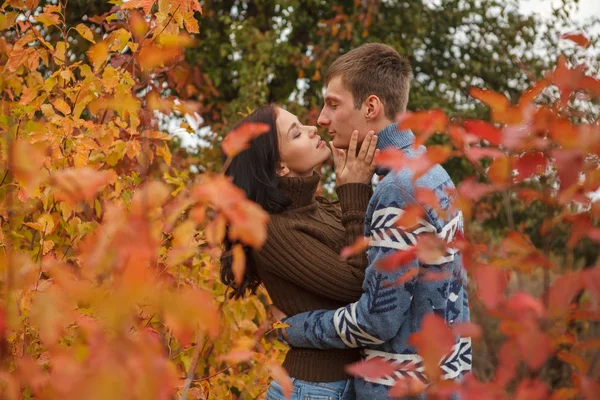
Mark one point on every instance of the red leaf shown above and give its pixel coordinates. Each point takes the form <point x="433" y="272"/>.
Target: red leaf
<point x="239" y="139"/>
<point x="467" y="329"/>
<point x="282" y="377"/>
<point x="578" y="38"/>
<point x="532" y="389"/>
<point x="355" y="248"/>
<point x="396" y="260"/>
<point x="535" y="346"/>
<point x="484" y="130"/>
<point x="529" y="164"/>
<point x="407" y="276"/>
<point x="569" y="164"/>
<point x="427" y="197"/>
<point x="472" y="190"/>
<point x="396" y="160"/>
<point x="374" y="368"/>
<point x="407" y="387"/>
<point x="562" y="292"/>
<point x="430" y="249"/>
<point x="491" y="283"/>
<point x="591" y="279"/>
<point x="410" y="217"/>
<point x="474" y="154"/>
<point x="433" y="341"/>
<point x="521" y="303"/>
<point x="423" y="123"/>
<point x="589" y="388"/>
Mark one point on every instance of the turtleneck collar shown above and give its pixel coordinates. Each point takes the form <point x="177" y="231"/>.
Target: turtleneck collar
<point x="301" y="191"/>
<point x="391" y="137"/>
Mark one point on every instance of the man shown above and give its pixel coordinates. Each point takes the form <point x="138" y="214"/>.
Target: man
<point x="366" y="89"/>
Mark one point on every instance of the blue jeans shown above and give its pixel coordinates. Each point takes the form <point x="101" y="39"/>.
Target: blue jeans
<point x="305" y="390"/>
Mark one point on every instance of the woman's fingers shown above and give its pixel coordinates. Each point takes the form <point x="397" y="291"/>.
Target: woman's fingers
<point x="364" y="147"/>
<point x="373" y="164"/>
<point x="371" y="151"/>
<point x="352" y="145"/>
<point x="334" y="154"/>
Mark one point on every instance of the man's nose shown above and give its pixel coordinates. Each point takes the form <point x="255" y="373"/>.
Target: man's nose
<point x="323" y="120"/>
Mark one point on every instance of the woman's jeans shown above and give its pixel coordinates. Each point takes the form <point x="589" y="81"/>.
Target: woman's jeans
<point x="304" y="390"/>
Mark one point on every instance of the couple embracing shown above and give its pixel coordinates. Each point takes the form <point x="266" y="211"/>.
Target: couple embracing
<point x="342" y="311"/>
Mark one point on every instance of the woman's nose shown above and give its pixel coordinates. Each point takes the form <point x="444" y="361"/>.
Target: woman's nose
<point x="312" y="131"/>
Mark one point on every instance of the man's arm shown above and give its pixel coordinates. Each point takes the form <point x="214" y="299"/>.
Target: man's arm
<point x="382" y="309"/>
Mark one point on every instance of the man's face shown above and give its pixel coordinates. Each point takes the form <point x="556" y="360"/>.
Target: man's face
<point x="340" y="117"/>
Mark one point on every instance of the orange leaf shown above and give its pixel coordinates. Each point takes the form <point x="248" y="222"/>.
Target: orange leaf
<point x="500" y="171"/>
<point x="152" y="56"/>
<point x="359" y="245"/>
<point x="535" y="346"/>
<point x="79" y="184"/>
<point x="427" y="197"/>
<point x="407" y="388"/>
<point x="215" y="231"/>
<point x="374" y="368"/>
<point x="484" y="130"/>
<point x="467" y="329"/>
<point x="138" y="24"/>
<point x="396" y="260"/>
<point x="238" y="266"/>
<point x="562" y="292"/>
<point x="472" y="190"/>
<point x="523" y="304"/>
<point x="145" y="4"/>
<point x="575" y="360"/>
<point x="239" y="139"/>
<point x="281" y="376"/>
<point x="423" y="123"/>
<point x="25" y="162"/>
<point x="97" y="54"/>
<point x="410" y="216"/>
<point x="578" y="38"/>
<point x="496" y="101"/>
<point x="433" y="342"/>
<point x="430" y="249"/>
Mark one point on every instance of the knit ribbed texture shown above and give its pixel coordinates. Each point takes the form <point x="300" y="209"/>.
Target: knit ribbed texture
<point x="301" y="268"/>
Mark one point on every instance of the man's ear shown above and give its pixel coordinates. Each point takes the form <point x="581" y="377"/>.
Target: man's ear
<point x="282" y="170"/>
<point x="374" y="107"/>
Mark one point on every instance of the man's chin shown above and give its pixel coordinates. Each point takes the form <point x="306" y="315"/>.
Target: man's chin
<point x="339" y="143"/>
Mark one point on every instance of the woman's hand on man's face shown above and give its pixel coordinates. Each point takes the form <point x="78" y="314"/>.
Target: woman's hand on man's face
<point x="351" y="167"/>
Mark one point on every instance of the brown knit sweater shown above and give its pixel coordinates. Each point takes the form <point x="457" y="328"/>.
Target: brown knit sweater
<point x="301" y="268"/>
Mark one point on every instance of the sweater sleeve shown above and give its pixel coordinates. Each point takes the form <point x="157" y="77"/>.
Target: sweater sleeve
<point x="381" y="310"/>
<point x="354" y="200"/>
<point x="307" y="260"/>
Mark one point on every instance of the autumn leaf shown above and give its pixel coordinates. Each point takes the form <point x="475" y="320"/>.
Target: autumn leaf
<point x="79" y="184"/>
<point x="238" y="265"/>
<point x="433" y="342"/>
<point x="85" y="32"/>
<point x="467" y="329"/>
<point x="152" y="56"/>
<point x="590" y="388"/>
<point x="484" y="130"/>
<point x="215" y="231"/>
<point x="564" y="289"/>
<point x="25" y="163"/>
<point x="569" y="164"/>
<point x="396" y="260"/>
<point x="532" y="389"/>
<point x="146" y="5"/>
<point x="281" y="376"/>
<point x="475" y="154"/>
<point x="496" y="101"/>
<point x="472" y="190"/>
<point x="500" y="172"/>
<point x="423" y="123"/>
<point x="529" y="164"/>
<point x="577" y="38"/>
<point x="373" y="368"/>
<point x="591" y="279"/>
<point x="98" y="54"/>
<point x="239" y="139"/>
<point x="430" y="249"/>
<point x="491" y="283"/>
<point x="138" y="24"/>
<point x="359" y="246"/>
<point x="407" y="388"/>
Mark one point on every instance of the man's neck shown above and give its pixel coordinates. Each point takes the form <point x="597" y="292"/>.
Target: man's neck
<point x="378" y="125"/>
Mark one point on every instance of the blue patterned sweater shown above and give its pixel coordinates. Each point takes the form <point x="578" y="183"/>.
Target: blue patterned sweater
<point x="382" y="320"/>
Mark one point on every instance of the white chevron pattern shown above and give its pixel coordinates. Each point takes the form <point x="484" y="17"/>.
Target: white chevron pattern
<point x="346" y="326"/>
<point x="384" y="234"/>
<point x="411" y="365"/>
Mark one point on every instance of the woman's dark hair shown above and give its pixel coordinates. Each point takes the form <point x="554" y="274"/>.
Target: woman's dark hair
<point x="254" y="170"/>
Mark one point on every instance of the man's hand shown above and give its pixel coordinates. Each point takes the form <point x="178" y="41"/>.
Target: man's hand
<point x="355" y="168"/>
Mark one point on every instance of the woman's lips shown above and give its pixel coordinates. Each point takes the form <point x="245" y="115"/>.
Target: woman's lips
<point x="320" y="143"/>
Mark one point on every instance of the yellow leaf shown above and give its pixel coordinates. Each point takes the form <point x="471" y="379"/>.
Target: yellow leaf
<point x="48" y="245"/>
<point x="280" y="325"/>
<point x="165" y="153"/>
<point x="215" y="231"/>
<point x="191" y="23"/>
<point x="85" y="32"/>
<point x="47" y="223"/>
<point x="48" y="19"/>
<point x="35" y="225"/>
<point x="500" y="170"/>
<point x="60" y="53"/>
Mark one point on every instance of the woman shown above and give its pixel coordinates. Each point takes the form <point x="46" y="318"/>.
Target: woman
<point x="299" y="263"/>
